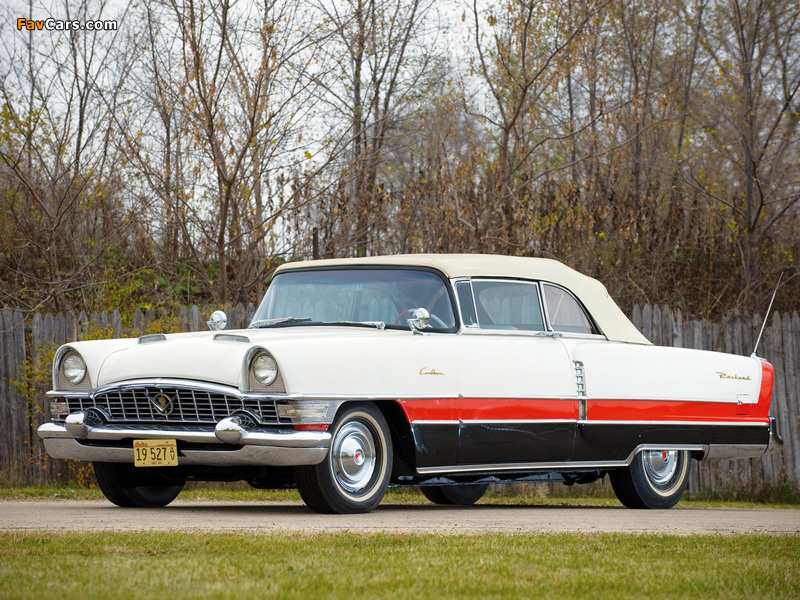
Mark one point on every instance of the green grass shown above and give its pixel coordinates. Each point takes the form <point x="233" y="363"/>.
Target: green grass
<point x="226" y="565"/>
<point x="192" y="491"/>
<point x="176" y="565"/>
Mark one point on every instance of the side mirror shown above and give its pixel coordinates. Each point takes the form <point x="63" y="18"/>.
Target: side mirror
<point x="419" y="321"/>
<point x="217" y="321"/>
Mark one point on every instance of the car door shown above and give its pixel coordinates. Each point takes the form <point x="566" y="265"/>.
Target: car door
<point x="518" y="399"/>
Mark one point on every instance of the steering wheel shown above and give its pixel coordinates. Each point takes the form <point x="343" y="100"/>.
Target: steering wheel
<point x="437" y="321"/>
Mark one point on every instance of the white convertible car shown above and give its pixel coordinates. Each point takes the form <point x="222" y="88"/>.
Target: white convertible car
<point x="448" y="372"/>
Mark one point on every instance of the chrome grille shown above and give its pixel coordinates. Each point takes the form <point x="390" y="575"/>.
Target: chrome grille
<point x="183" y="405"/>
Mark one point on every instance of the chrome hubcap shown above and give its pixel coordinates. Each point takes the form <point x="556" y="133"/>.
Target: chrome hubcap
<point x="353" y="456"/>
<point x="660" y="465"/>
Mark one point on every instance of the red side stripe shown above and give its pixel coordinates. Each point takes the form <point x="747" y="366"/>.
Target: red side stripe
<point x="659" y="410"/>
<point x="434" y="409"/>
<point x="481" y="409"/>
<point x="532" y="409"/>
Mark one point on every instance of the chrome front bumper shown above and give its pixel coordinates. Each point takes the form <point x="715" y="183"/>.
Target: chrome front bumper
<point x="77" y="439"/>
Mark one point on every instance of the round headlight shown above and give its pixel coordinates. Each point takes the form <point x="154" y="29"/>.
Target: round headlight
<point x="74" y="369"/>
<point x="265" y="369"/>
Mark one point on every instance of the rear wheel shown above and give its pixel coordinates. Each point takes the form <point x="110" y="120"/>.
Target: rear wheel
<point x="354" y="476"/>
<point x="462" y="495"/>
<point x="126" y="486"/>
<point x="655" y="479"/>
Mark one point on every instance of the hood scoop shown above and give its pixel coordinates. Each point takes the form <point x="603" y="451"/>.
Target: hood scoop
<point x="230" y="337"/>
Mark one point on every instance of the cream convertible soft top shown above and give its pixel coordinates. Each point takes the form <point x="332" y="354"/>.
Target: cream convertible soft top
<point x="607" y="315"/>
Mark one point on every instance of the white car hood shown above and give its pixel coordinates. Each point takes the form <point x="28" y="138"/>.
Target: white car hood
<point x="312" y="360"/>
<point x="188" y="356"/>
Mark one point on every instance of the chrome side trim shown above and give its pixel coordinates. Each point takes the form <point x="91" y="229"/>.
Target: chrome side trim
<point x="512" y="421"/>
<point x="559" y="466"/>
<point x="405" y="397"/>
<point x="666" y="400"/>
<point x="580" y="378"/>
<point x="693" y="423"/>
<point x="584" y="422"/>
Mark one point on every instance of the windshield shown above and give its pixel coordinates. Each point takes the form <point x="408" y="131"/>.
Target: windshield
<point x="370" y="296"/>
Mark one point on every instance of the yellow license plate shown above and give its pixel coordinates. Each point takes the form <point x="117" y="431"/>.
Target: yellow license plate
<point x="155" y="453"/>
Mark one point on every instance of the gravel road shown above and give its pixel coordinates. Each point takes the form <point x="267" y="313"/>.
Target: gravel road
<point x="268" y="517"/>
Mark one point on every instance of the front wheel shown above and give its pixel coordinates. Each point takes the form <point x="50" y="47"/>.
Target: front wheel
<point x="355" y="474"/>
<point x="655" y="479"/>
<point x="127" y="486"/>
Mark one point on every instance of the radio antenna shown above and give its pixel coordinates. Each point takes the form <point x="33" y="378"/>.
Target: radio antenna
<point x="766" y="316"/>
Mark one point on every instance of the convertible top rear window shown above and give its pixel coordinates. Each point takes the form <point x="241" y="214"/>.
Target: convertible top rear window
<point x="388" y="295"/>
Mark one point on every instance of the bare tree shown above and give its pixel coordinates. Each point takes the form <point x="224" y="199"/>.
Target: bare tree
<point x="524" y="50"/>
<point x="60" y="178"/>
<point x="748" y="128"/>
<point x="381" y="52"/>
<point x="228" y="90"/>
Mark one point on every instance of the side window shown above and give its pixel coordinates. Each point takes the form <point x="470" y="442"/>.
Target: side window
<point x="468" y="316"/>
<point x="508" y="305"/>
<point x="566" y="315"/>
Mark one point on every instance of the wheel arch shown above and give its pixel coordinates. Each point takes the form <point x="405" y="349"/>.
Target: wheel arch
<point x="404" y="463"/>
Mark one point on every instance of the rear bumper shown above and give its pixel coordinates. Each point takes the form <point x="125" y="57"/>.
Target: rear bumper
<point x="228" y="444"/>
<point x="773" y="444"/>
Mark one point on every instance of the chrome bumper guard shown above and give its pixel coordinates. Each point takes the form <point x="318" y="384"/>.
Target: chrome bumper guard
<point x="282" y="447"/>
<point x="775" y="439"/>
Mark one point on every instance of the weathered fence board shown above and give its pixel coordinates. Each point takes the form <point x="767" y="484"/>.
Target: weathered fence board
<point x="22" y="456"/>
<point x="6" y="370"/>
<point x="16" y="425"/>
<point x="791" y="382"/>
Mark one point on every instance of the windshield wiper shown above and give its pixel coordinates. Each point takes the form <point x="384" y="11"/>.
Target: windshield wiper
<point x="261" y="323"/>
<point x="278" y="321"/>
<point x="379" y="324"/>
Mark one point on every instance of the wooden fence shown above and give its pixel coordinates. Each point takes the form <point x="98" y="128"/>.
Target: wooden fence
<point x="26" y="345"/>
